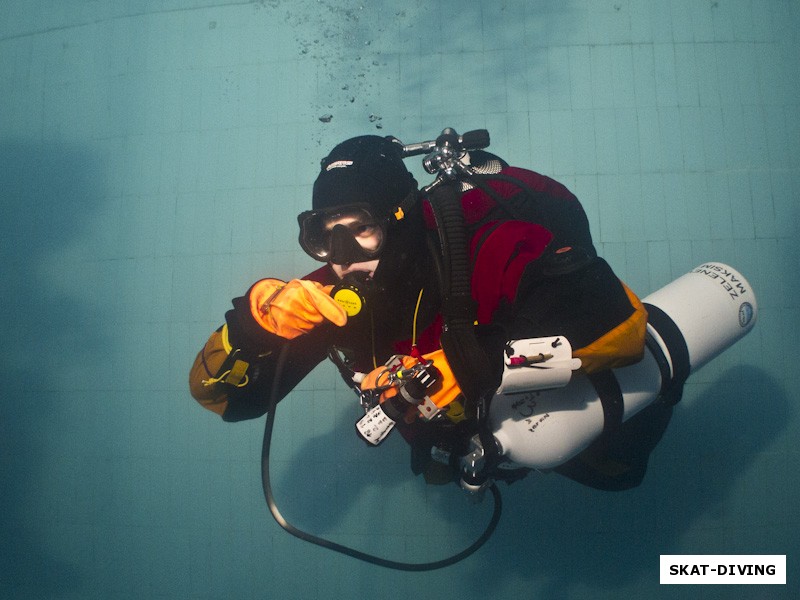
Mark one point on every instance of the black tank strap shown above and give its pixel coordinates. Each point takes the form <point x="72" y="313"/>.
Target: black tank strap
<point x="607" y="387"/>
<point x="672" y="379"/>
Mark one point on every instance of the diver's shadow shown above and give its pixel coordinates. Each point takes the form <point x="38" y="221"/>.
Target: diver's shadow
<point x="337" y="487"/>
<point x="555" y="531"/>
<point x="564" y="534"/>
<point x="316" y="483"/>
<point x="48" y="192"/>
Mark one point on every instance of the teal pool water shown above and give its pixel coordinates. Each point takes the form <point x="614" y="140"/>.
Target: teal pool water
<point x="153" y="159"/>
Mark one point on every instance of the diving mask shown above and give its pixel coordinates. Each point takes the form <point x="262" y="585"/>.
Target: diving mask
<point x="342" y="235"/>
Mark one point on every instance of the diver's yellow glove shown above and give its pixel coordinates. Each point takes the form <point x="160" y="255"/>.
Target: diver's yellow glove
<point x="294" y="308"/>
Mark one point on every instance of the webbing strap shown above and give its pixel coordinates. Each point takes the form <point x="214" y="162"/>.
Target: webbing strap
<point x="233" y="371"/>
<point x="672" y="380"/>
<point x="607" y="387"/>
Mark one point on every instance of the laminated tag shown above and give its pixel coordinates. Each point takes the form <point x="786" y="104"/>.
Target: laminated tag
<point x="538" y="364"/>
<point x="374" y="426"/>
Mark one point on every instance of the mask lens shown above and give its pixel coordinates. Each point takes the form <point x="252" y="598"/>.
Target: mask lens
<point x="353" y="222"/>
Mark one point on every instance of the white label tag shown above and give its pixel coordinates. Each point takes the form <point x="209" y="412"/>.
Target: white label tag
<point x="538" y="364"/>
<point x="374" y="426"/>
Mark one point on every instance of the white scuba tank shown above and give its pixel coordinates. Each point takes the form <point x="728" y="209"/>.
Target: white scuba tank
<point x="691" y="321"/>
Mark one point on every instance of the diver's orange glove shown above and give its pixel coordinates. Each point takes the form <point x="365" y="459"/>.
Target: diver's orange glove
<point x="443" y="392"/>
<point x="271" y="312"/>
<point x="294" y="308"/>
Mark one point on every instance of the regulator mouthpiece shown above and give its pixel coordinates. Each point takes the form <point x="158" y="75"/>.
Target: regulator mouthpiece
<point x="352" y="293"/>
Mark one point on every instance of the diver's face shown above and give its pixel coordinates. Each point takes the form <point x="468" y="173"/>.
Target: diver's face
<point x="364" y="267"/>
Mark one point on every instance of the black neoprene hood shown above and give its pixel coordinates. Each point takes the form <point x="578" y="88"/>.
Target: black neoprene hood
<point x="367" y="169"/>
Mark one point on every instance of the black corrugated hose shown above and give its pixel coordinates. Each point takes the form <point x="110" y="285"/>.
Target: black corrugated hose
<point x="467" y="359"/>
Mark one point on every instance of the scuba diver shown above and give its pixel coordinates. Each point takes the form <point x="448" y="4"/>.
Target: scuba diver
<point x="418" y="301"/>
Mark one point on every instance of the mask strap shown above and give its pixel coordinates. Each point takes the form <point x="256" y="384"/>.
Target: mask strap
<point x="399" y="213"/>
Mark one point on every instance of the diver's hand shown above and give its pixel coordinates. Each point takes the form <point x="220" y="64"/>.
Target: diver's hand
<point x="292" y="309"/>
<point x="443" y="392"/>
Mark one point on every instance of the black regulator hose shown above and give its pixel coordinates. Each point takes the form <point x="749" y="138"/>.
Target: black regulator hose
<point x="389" y="564"/>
